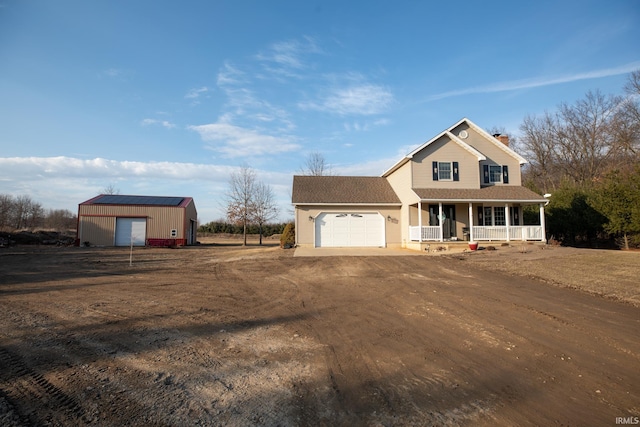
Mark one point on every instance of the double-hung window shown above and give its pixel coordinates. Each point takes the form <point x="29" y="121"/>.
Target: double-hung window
<point x="495" y="173"/>
<point x="498" y="216"/>
<point x="445" y="171"/>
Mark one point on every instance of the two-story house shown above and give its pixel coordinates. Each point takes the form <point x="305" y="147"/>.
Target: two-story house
<point x="463" y="184"/>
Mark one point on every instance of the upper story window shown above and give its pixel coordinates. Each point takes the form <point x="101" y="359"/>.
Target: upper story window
<point x="495" y="174"/>
<point x="445" y="171"/>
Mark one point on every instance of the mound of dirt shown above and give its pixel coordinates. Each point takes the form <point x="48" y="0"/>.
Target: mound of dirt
<point x="37" y="238"/>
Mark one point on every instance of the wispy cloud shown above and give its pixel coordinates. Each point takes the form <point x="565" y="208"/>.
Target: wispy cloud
<point x="365" y="126"/>
<point x="117" y="74"/>
<point x="230" y="75"/>
<point x="538" y="82"/>
<point x="113" y="72"/>
<point x="196" y="93"/>
<point x="358" y="99"/>
<point x="153" y="122"/>
<point x="286" y="58"/>
<point x="243" y="102"/>
<point x="235" y="141"/>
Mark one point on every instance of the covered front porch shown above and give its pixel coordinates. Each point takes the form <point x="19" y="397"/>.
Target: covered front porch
<point x="440" y="221"/>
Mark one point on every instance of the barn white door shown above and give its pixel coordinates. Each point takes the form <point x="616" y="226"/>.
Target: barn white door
<point x="131" y="228"/>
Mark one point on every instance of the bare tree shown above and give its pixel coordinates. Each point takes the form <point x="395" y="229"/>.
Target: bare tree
<point x="23" y="212"/>
<point x="240" y="197"/>
<point x="264" y="205"/>
<point x="628" y="125"/>
<point x="633" y="83"/>
<point x="316" y="165"/>
<point x="110" y="189"/>
<point x="580" y="142"/>
<point x="60" y="219"/>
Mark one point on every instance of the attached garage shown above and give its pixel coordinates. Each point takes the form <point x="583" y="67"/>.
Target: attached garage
<point x="349" y="230"/>
<point x="353" y="211"/>
<point x="117" y="220"/>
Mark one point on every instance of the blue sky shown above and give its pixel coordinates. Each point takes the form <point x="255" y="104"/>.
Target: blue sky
<point x="168" y="98"/>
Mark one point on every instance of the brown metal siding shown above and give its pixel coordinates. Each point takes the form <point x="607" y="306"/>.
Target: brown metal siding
<point x="160" y="221"/>
<point x="97" y="230"/>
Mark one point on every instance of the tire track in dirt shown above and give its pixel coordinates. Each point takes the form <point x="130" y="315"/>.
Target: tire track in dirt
<point x="20" y="382"/>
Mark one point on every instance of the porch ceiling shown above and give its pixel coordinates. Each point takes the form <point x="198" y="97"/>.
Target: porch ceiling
<point x="497" y="193"/>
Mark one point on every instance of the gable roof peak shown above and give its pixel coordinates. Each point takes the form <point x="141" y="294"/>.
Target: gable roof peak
<point x="449" y="133"/>
<point x="491" y="138"/>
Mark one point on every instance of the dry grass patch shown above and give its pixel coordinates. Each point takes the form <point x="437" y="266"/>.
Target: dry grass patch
<point x="612" y="274"/>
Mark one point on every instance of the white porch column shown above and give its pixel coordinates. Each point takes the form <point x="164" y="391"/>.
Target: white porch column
<point x="542" y="224"/>
<point x="470" y="222"/>
<point x="507" y="219"/>
<point x="440" y="221"/>
<point x="420" y="220"/>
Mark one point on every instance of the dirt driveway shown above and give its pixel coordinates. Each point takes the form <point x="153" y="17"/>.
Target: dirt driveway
<point x="221" y="335"/>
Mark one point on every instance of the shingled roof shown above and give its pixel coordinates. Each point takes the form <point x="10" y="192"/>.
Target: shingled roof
<point x="346" y="190"/>
<point x="495" y="193"/>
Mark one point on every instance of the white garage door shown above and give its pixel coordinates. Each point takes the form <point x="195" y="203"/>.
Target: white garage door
<point x="131" y="228"/>
<point x="349" y="229"/>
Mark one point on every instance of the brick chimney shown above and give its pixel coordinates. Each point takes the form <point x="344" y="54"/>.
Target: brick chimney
<point x="502" y="138"/>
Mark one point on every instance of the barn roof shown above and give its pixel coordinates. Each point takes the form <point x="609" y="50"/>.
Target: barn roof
<point x="118" y="199"/>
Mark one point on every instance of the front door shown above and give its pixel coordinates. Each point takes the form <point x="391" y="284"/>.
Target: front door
<point x="449" y="220"/>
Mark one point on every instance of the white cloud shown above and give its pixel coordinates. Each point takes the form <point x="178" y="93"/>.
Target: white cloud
<point x="63" y="182"/>
<point x="538" y="82"/>
<point x="164" y="123"/>
<point x="358" y="99"/>
<point x="236" y="141"/>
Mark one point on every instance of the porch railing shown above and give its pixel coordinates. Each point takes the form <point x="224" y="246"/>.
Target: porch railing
<point x="482" y="233"/>
<point x="428" y="233"/>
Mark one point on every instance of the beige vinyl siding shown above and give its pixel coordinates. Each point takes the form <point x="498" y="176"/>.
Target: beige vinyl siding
<point x="401" y="182"/>
<point x="494" y="154"/>
<point x="445" y="150"/>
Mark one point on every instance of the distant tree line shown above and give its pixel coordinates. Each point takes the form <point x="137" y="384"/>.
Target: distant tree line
<point x="225" y="227"/>
<point x="587" y="156"/>
<point x="23" y="213"/>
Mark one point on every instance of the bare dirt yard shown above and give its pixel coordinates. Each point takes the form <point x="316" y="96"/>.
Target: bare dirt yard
<point x="223" y="335"/>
